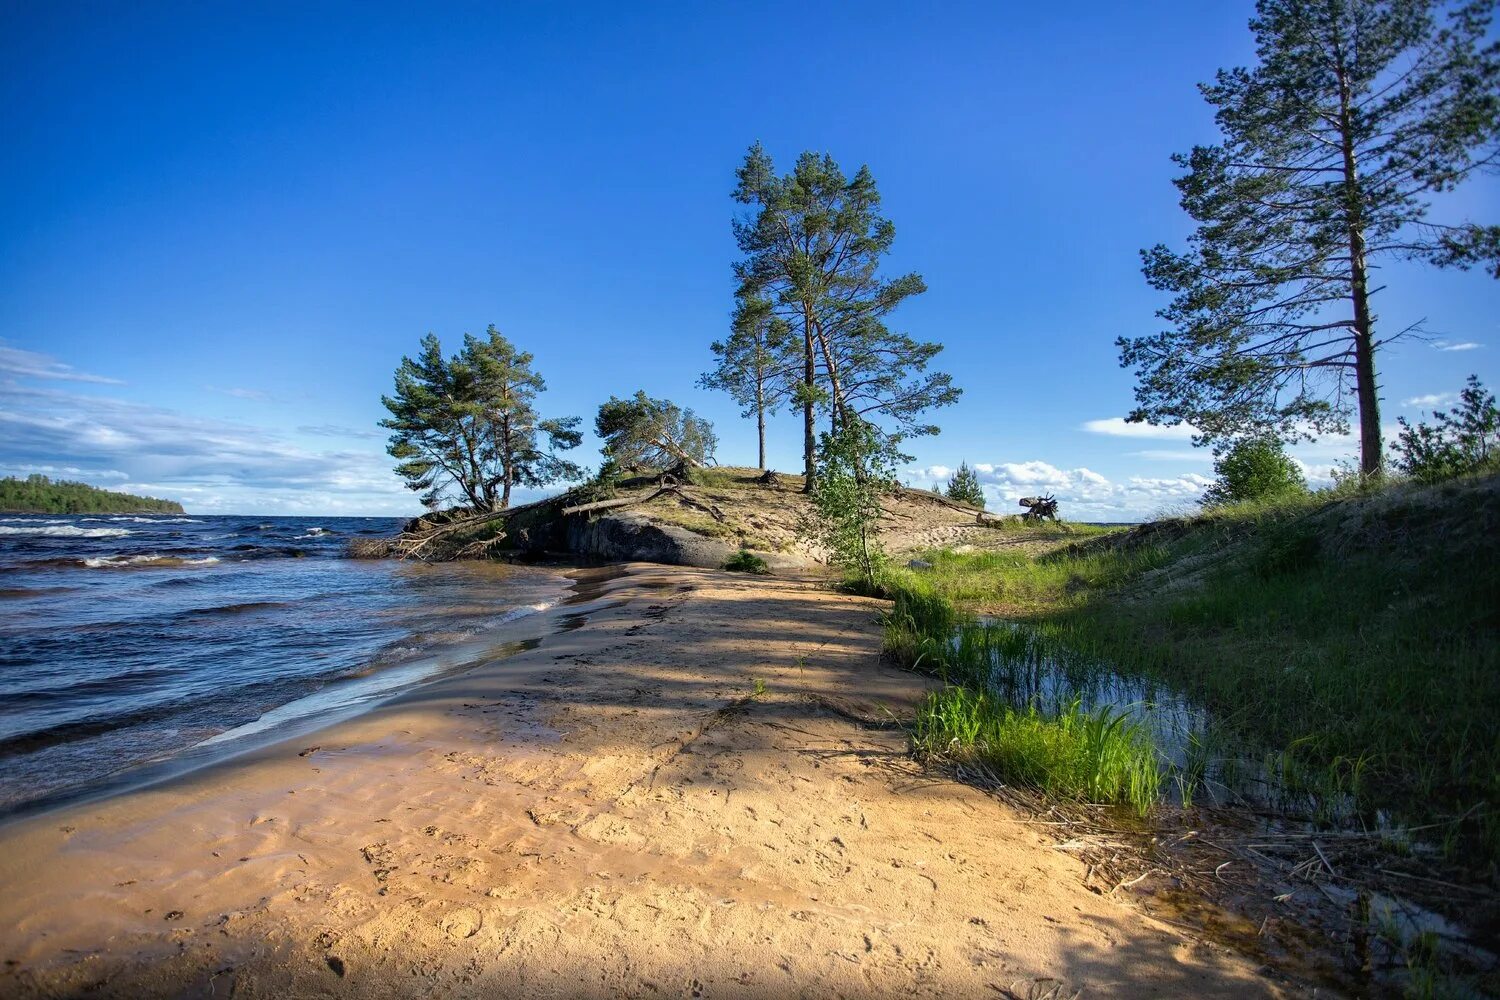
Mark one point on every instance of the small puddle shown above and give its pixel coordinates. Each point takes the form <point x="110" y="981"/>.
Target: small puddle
<point x="1206" y="757"/>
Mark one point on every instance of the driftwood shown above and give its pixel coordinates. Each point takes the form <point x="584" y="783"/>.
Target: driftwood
<point x="1039" y="507"/>
<point x="673" y="488"/>
<point x="419" y="544"/>
<point x="588" y="508"/>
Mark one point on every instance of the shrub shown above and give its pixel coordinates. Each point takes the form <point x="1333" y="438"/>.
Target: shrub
<point x="745" y="561"/>
<point x="1459" y="442"/>
<point x="853" y="474"/>
<point x="1254" y="470"/>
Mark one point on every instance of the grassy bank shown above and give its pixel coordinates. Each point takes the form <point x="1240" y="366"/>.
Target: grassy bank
<point x="1346" y="648"/>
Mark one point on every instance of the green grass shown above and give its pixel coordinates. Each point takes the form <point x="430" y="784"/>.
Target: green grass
<point x="1098" y="756"/>
<point x="1350" y="645"/>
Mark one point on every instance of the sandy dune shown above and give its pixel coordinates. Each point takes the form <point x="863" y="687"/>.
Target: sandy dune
<point x="611" y="813"/>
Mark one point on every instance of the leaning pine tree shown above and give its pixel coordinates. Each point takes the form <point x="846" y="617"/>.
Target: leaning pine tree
<point x="1357" y="113"/>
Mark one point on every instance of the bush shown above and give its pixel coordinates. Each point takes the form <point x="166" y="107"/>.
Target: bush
<point x="745" y="561"/>
<point x="1254" y="470"/>
<point x="853" y="474"/>
<point x="1458" y="443"/>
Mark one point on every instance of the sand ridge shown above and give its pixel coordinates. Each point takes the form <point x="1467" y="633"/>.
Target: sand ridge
<point x="617" y="812"/>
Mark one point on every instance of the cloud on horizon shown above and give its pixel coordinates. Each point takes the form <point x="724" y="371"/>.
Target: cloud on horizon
<point x="209" y="465"/>
<point x="1083" y="493"/>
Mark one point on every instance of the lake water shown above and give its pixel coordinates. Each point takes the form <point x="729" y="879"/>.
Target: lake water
<point x="126" y="640"/>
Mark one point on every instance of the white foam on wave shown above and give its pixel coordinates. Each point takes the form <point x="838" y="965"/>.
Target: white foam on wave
<point x="115" y="562"/>
<point x="119" y="519"/>
<point x="517" y="613"/>
<point x="64" y="530"/>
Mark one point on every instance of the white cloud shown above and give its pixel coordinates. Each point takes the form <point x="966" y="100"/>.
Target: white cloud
<point x="1174" y="455"/>
<point x="1431" y="399"/>
<point x="258" y="395"/>
<point x="1120" y="427"/>
<point x="210" y="465"/>
<point x="338" y="430"/>
<point x="1445" y="345"/>
<point x="62" y="472"/>
<point x="30" y="364"/>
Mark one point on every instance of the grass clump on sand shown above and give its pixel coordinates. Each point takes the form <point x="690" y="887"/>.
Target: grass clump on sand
<point x="745" y="561"/>
<point x="1099" y="755"/>
<point x="1352" y="642"/>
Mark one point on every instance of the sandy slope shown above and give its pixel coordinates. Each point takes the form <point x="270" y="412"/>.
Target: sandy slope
<point x="608" y="814"/>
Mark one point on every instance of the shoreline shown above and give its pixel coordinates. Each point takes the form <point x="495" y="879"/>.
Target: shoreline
<point x="508" y="637"/>
<point x="691" y="785"/>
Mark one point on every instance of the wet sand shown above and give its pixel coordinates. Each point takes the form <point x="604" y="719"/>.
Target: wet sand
<point x="615" y="812"/>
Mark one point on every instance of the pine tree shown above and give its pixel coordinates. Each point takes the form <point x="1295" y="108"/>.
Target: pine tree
<point x="469" y="423"/>
<point x="813" y="249"/>
<point x="964" y="487"/>
<point x="505" y="388"/>
<point x="1356" y="114"/>
<point x="754" y="366"/>
<point x="654" y="433"/>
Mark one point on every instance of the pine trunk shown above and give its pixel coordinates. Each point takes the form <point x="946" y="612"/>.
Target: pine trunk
<point x="809" y="429"/>
<point x="1367" y="392"/>
<point x="760" y="423"/>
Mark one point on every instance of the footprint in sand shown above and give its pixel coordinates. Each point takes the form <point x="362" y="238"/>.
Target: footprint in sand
<point x="462" y="924"/>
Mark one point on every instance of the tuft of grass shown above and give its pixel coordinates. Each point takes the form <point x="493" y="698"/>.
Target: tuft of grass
<point x="1097" y="756"/>
<point x="745" y="561"/>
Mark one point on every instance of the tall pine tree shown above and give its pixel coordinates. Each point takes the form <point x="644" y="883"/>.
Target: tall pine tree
<point x="813" y="248"/>
<point x="1356" y="114"/>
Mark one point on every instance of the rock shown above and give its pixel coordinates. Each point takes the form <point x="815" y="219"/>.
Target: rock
<point x="919" y="564"/>
<point x="633" y="538"/>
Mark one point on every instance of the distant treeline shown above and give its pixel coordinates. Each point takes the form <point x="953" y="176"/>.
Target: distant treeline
<point x="38" y="494"/>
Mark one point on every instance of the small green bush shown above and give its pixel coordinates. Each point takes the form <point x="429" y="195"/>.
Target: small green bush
<point x="1254" y="470"/>
<point x="745" y="561"/>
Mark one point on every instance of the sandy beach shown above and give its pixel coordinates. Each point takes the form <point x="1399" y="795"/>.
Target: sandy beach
<point x="620" y="811"/>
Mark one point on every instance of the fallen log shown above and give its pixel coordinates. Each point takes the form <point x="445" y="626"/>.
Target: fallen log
<point x="586" y="508"/>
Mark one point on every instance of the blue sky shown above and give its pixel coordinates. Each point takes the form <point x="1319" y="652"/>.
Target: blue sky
<point x="221" y="228"/>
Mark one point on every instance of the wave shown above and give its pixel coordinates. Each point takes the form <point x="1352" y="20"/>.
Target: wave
<point x="117" y="519"/>
<point x="23" y="593"/>
<point x="249" y="607"/>
<point x="62" y="530"/>
<point x="152" y="559"/>
<point x="524" y="611"/>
